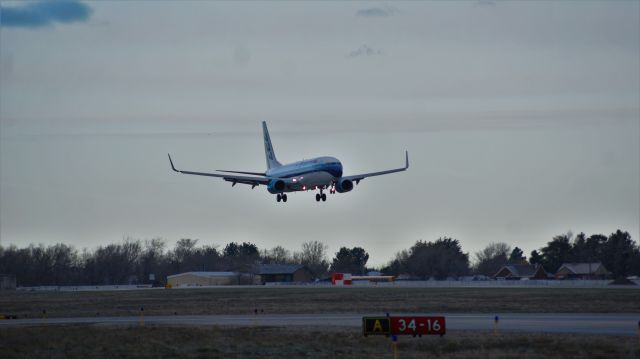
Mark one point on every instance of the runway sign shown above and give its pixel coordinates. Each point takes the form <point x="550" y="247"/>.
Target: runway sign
<point x="376" y="326"/>
<point x="407" y="325"/>
<point x="418" y="326"/>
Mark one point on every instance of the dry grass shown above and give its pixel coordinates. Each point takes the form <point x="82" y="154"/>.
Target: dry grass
<point x="216" y="342"/>
<point x="320" y="300"/>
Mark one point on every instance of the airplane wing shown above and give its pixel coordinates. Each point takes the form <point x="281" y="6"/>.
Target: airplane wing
<point x="250" y="180"/>
<point x="360" y="177"/>
<point x="244" y="172"/>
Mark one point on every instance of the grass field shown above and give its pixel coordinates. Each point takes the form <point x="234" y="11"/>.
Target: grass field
<point x="319" y="300"/>
<point x="217" y="342"/>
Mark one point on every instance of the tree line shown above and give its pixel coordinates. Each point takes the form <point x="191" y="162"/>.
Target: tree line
<point x="444" y="258"/>
<point x="150" y="261"/>
<point x="619" y="254"/>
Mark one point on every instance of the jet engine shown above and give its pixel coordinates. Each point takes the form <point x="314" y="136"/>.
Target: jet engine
<point x="344" y="185"/>
<point x="276" y="186"/>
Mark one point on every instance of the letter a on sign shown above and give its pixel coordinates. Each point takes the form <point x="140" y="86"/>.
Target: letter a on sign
<point x="375" y="326"/>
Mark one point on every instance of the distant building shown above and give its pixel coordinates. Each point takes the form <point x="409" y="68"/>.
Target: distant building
<point x="283" y="273"/>
<point x="582" y="271"/>
<point x="7" y="282"/>
<point x="200" y="279"/>
<point x="521" y="271"/>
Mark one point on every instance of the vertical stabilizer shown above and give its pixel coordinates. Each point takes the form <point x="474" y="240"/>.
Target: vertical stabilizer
<point x="268" y="148"/>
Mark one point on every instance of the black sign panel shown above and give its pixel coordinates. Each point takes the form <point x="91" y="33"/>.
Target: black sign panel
<point x="376" y="326"/>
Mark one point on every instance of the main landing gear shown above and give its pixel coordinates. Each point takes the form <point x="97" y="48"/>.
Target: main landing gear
<point x="321" y="196"/>
<point x="281" y="197"/>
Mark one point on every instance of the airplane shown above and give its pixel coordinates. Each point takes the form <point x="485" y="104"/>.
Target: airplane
<point x="318" y="173"/>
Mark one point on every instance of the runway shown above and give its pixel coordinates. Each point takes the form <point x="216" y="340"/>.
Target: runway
<point x="609" y="324"/>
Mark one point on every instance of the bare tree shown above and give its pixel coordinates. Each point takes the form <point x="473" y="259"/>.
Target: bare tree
<point x="277" y="254"/>
<point x="492" y="258"/>
<point x="314" y="256"/>
<point x="153" y="260"/>
<point x="397" y="265"/>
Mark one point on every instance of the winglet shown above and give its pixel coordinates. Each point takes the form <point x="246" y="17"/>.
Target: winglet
<point x="170" y="161"/>
<point x="406" y="165"/>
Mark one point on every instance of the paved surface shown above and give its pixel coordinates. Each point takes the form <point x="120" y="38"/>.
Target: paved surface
<point x="611" y="324"/>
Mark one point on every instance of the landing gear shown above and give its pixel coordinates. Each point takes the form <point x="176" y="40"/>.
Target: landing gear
<point x="284" y="198"/>
<point x="281" y="197"/>
<point x="321" y="196"/>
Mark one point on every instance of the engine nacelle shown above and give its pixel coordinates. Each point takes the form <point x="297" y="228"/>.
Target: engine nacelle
<point x="276" y="186"/>
<point x="344" y="185"/>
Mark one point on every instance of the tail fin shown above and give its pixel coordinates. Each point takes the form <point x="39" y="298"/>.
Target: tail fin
<point x="268" y="148"/>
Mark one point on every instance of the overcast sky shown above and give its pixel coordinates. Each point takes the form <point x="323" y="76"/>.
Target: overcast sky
<point x="522" y="120"/>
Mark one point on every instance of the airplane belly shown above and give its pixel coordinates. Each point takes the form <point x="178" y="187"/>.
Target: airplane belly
<point x="311" y="180"/>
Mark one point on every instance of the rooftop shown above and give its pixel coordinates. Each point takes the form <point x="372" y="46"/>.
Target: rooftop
<point x="278" y="268"/>
<point x="582" y="268"/>
<point x="206" y="274"/>
<point x="521" y="270"/>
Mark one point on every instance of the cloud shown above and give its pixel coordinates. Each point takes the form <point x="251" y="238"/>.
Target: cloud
<point x="44" y="13"/>
<point x="364" y="50"/>
<point x="377" y="11"/>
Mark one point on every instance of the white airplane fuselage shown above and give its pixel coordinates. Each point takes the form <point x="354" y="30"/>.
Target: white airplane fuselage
<point x="315" y="173"/>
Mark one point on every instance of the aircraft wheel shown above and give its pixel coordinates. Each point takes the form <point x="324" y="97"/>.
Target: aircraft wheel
<point x="284" y="198"/>
<point x="278" y="197"/>
<point x="317" y="197"/>
<point x="324" y="197"/>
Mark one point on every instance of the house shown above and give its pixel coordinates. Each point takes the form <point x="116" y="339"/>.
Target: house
<point x="283" y="273"/>
<point x="521" y="272"/>
<point x="201" y="279"/>
<point x="582" y="271"/>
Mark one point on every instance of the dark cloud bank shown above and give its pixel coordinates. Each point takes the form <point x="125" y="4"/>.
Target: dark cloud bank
<point x="44" y="13"/>
<point x="364" y="50"/>
<point x="377" y="11"/>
